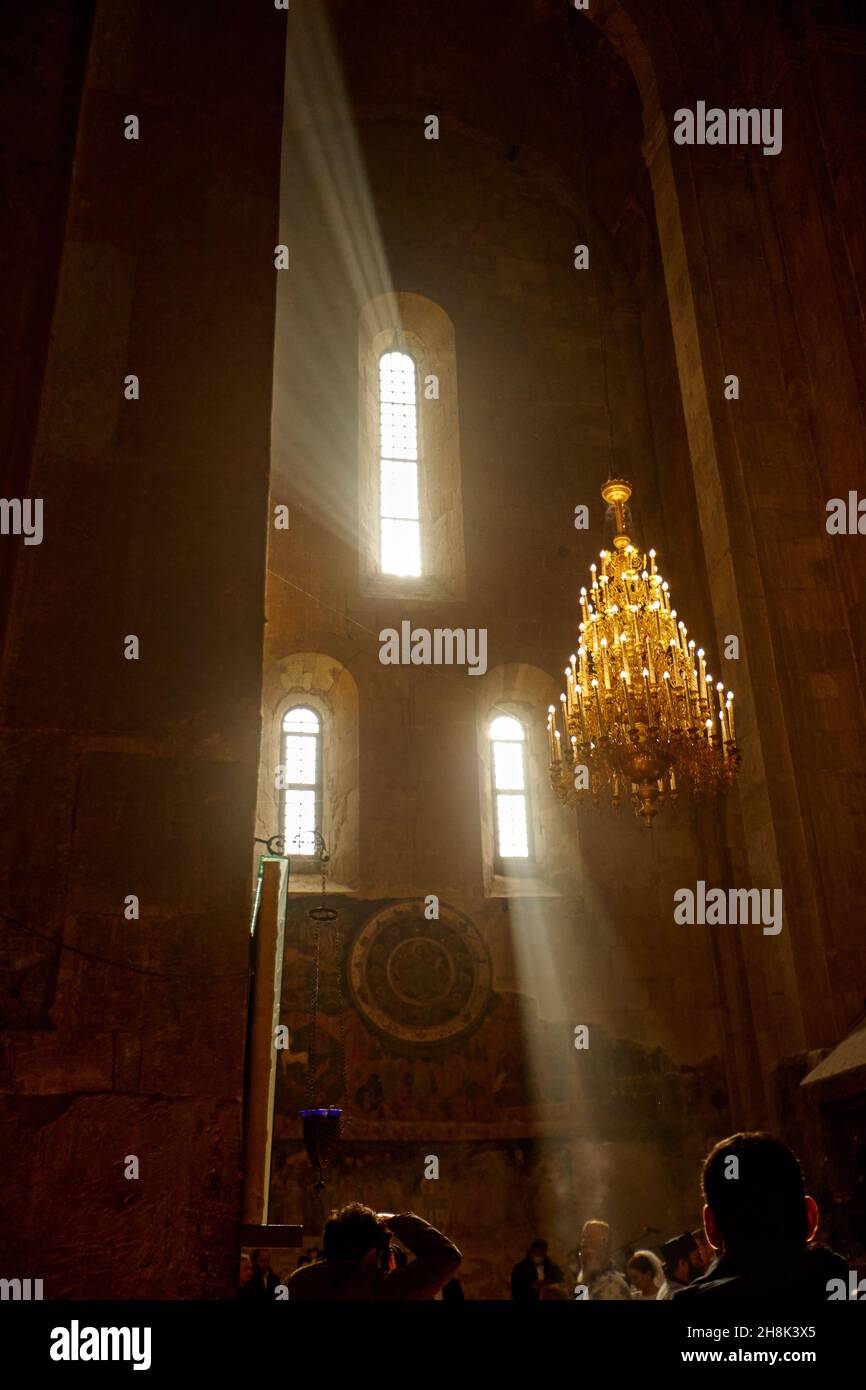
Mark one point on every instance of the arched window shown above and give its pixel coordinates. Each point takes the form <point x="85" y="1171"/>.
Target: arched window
<point x="510" y="791"/>
<point x="399" y="516"/>
<point x="410" y="495"/>
<point x="301" y="810"/>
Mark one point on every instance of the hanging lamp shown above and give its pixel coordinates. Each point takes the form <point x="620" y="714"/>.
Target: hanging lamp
<point x="641" y="717"/>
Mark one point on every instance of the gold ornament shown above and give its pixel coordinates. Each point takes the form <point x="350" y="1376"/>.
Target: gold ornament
<point x="640" y="716"/>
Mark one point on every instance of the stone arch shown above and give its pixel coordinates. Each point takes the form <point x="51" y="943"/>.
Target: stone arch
<point x="641" y="41"/>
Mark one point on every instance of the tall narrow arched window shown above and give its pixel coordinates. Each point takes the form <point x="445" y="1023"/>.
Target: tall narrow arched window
<point x="302" y="780"/>
<point x="410" y="494"/>
<point x="510" y="793"/>
<point x="399" y="514"/>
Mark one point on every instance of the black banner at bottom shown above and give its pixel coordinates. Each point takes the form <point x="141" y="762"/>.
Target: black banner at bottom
<point x="161" y="1341"/>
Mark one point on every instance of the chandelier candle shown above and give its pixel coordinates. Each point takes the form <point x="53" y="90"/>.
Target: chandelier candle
<point x="666" y="681"/>
<point x="688" y="695"/>
<point x="623" y="675"/>
<point x="649" y="729"/>
<point x="582" y="719"/>
<point x="675" y="661"/>
<point x="649" y="703"/>
<point x="601" y="727"/>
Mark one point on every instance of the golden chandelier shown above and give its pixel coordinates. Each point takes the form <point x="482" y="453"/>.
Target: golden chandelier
<point x="640" y="715"/>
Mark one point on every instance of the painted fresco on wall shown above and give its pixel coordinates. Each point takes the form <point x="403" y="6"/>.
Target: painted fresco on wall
<point x="514" y="1067"/>
<point x="531" y="1136"/>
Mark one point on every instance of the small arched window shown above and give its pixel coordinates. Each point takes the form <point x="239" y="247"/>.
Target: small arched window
<point x="510" y="791"/>
<point x="399" y="515"/>
<point x="302" y="780"/>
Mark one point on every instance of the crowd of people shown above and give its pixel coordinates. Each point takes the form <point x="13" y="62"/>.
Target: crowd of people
<point x="593" y="1275"/>
<point x="759" y="1240"/>
<point x="258" y="1280"/>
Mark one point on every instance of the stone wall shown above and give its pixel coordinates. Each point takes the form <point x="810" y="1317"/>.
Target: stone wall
<point x="125" y="1037"/>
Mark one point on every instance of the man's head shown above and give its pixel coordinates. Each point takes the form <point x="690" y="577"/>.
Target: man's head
<point x="595" y="1247"/>
<point x="538" y="1251"/>
<point x="262" y="1261"/>
<point x="677" y="1258"/>
<point x="246" y="1269"/>
<point x="354" y="1233"/>
<point x="754" y="1194"/>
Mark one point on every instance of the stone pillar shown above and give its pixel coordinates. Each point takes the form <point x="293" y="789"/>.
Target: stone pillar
<point x="136" y="779"/>
<point x="761" y="519"/>
<point x="261" y="1068"/>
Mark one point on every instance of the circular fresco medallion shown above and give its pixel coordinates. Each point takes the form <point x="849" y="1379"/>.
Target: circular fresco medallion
<point x="419" y="982"/>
